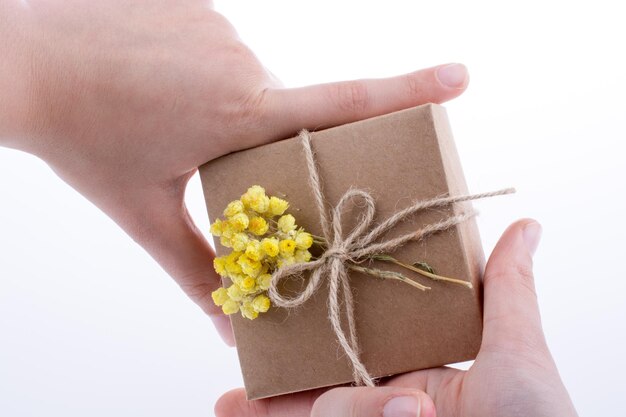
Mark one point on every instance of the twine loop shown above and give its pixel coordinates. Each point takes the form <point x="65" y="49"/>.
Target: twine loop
<point x="358" y="246"/>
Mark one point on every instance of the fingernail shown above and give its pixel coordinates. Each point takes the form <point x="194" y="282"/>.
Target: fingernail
<point x="453" y="75"/>
<point x="402" y="407"/>
<point x="532" y="236"/>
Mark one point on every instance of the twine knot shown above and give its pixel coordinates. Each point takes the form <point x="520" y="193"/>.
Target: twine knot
<point x="344" y="252"/>
<point x="336" y="252"/>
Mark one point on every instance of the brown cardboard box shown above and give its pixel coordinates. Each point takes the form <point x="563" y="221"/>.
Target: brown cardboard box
<point x="398" y="158"/>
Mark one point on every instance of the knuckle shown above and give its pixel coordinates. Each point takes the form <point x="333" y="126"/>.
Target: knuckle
<point x="249" y="114"/>
<point x="248" y="91"/>
<point x="525" y="342"/>
<point x="351" y="96"/>
<point x="521" y="274"/>
<point x="238" y="51"/>
<point x="414" y="85"/>
<point x="526" y="280"/>
<point x="524" y="271"/>
<point x="253" y="108"/>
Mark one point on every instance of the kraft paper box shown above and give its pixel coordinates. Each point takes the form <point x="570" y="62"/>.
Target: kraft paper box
<point x="398" y="158"/>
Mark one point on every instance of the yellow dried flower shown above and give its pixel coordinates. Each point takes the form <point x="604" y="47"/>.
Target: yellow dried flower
<point x="261" y="303"/>
<point x="277" y="206"/>
<point x="287" y="246"/>
<point x="217" y="227"/>
<point x="236" y="279"/>
<point x="226" y="242"/>
<point x="270" y="246"/>
<point x="261" y="205"/>
<point x="220" y="296"/>
<point x="219" y="263"/>
<point x="235" y="293"/>
<point x="252" y="261"/>
<point x="239" y="242"/>
<point x="304" y="240"/>
<point x="249" y="266"/>
<point x="239" y="222"/>
<point x="287" y="223"/>
<point x="230" y="307"/>
<point x="285" y="261"/>
<point x="233" y="256"/>
<point x="256" y="199"/>
<point x="253" y="193"/>
<point x="227" y="229"/>
<point x="231" y="264"/>
<point x="264" y="281"/>
<point x="247" y="284"/>
<point x="234" y="207"/>
<point x="254" y="251"/>
<point x="258" y="225"/>
<point x="302" y="255"/>
<point x="248" y="311"/>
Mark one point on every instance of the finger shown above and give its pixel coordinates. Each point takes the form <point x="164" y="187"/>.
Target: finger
<point x="234" y="404"/>
<point x="188" y="258"/>
<point x="433" y="381"/>
<point x="165" y="229"/>
<point x="373" y="402"/>
<point x="511" y="319"/>
<point x="325" y="105"/>
<point x="337" y="402"/>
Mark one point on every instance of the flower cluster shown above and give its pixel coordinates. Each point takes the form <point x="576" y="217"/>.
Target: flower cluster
<point x="263" y="238"/>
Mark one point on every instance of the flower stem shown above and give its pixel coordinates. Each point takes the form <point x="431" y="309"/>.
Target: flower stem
<point x="318" y="238"/>
<point x="427" y="274"/>
<point x="388" y="275"/>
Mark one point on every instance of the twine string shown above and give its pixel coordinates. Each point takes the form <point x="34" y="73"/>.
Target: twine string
<point x="359" y="245"/>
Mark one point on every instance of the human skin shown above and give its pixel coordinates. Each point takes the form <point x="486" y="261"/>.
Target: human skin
<point x="124" y="100"/>
<point x="514" y="374"/>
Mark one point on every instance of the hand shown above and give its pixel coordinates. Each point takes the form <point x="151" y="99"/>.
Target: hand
<point x="513" y="375"/>
<point x="125" y="99"/>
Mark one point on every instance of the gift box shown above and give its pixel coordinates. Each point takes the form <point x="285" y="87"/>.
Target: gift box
<point x="398" y="159"/>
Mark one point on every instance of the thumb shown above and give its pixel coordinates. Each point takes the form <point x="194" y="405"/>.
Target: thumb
<point x="326" y="105"/>
<point x="373" y="402"/>
<point x="511" y="320"/>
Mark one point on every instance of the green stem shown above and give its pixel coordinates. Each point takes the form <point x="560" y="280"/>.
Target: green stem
<point x="427" y="274"/>
<point x="388" y="275"/>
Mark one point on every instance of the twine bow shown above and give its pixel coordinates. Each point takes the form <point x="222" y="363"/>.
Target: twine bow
<point x="343" y="253"/>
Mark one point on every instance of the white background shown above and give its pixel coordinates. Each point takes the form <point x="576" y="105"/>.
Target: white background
<point x="90" y="325"/>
